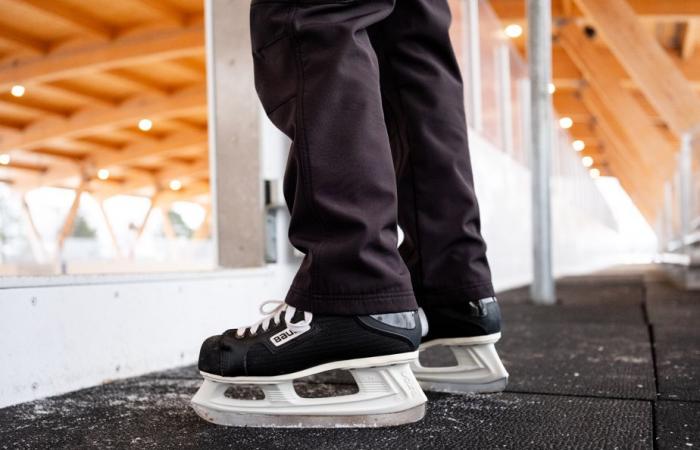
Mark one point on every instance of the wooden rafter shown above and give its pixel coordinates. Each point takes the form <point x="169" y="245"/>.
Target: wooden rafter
<point x="646" y="141"/>
<point x="70" y="218"/>
<point x="133" y="153"/>
<point x="93" y="119"/>
<point x="644" y="182"/>
<point x="646" y="61"/>
<point x="690" y="37"/>
<point x="665" y="10"/>
<point x="71" y="16"/>
<point x="121" y="52"/>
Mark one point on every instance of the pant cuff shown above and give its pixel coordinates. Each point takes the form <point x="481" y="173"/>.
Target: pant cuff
<point x="352" y="305"/>
<point x="453" y="296"/>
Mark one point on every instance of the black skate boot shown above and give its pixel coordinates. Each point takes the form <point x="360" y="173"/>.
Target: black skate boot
<point x="289" y="344"/>
<point x="469" y="333"/>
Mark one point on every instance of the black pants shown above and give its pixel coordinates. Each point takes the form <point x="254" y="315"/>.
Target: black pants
<point x="370" y="93"/>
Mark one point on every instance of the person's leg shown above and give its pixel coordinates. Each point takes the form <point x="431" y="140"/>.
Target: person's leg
<point x="438" y="210"/>
<point x="424" y="108"/>
<point x="351" y="306"/>
<point x="318" y="79"/>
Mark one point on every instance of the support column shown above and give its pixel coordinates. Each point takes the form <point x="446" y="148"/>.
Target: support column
<point x="234" y="136"/>
<point x="472" y="49"/>
<point x="685" y="174"/>
<point x="539" y="49"/>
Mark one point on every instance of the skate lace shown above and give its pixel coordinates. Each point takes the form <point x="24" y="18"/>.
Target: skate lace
<point x="275" y="315"/>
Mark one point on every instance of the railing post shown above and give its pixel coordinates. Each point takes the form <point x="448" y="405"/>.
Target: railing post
<point x="540" y="55"/>
<point x="472" y="48"/>
<point x="505" y="97"/>
<point x="685" y="173"/>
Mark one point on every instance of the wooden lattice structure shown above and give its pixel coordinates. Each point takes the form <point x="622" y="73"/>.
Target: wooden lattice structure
<point x="627" y="72"/>
<point x="105" y="97"/>
<point x="109" y="97"/>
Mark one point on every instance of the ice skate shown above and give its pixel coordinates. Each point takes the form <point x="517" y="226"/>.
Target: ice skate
<point x="290" y="344"/>
<point x="469" y="335"/>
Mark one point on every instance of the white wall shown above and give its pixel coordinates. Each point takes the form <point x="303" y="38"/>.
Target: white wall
<point x="69" y="332"/>
<point x="581" y="243"/>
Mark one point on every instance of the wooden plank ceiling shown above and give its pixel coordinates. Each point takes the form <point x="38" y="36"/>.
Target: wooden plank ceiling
<point x="109" y="97"/>
<point x="104" y="96"/>
<point x="628" y="73"/>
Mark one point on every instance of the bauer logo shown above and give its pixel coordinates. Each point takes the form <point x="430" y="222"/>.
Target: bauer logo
<point x="284" y="336"/>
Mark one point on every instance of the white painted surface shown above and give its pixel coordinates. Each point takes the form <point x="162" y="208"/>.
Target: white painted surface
<point x="79" y="331"/>
<point x="581" y="243"/>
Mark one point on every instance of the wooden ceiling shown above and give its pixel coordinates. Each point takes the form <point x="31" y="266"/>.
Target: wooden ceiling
<point x="113" y="96"/>
<point x="628" y="73"/>
<point x="89" y="73"/>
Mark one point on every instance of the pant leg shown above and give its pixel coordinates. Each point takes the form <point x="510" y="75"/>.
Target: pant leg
<point x="424" y="108"/>
<point x="318" y="79"/>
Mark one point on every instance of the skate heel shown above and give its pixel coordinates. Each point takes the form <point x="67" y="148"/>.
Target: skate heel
<point x="478" y="367"/>
<point x="388" y="394"/>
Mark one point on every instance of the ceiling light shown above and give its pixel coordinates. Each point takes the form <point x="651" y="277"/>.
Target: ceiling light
<point x="566" y="122"/>
<point x="175" y="185"/>
<point x="578" y="145"/>
<point x="595" y="173"/>
<point x="551" y="88"/>
<point x="17" y="90"/>
<point x="4" y="159"/>
<point x="145" y="124"/>
<point x="587" y="161"/>
<point x="513" y="30"/>
<point x="103" y="174"/>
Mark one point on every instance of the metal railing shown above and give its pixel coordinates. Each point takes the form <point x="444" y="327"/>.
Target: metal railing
<point x="678" y="225"/>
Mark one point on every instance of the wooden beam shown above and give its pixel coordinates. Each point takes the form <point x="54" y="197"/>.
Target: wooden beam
<point x="110" y="229"/>
<point x="667" y="10"/>
<point x="71" y="16"/>
<point x="190" y="191"/>
<point x="135" y="152"/>
<point x="646" y="61"/>
<point x="646" y="181"/>
<point x="647" y="142"/>
<point x="185" y="173"/>
<point x="122" y="52"/>
<point x="565" y="74"/>
<point x="166" y="11"/>
<point x="70" y="219"/>
<point x="690" y="37"/>
<point x="20" y="40"/>
<point x="92" y="120"/>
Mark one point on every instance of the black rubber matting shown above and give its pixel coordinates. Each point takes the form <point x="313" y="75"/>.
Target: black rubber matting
<point x="673" y="311"/>
<point x="678" y="361"/>
<point x="539" y="315"/>
<point x="677" y="425"/>
<point x="589" y="359"/>
<point x="578" y="291"/>
<point x="154" y="413"/>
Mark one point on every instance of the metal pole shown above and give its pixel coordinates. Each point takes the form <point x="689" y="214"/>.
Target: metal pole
<point x="667" y="218"/>
<point x="539" y="47"/>
<point x="474" y="63"/>
<point x="505" y="100"/>
<point x="685" y="174"/>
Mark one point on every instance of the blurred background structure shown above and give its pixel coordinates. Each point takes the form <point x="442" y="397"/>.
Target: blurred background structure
<point x="140" y="182"/>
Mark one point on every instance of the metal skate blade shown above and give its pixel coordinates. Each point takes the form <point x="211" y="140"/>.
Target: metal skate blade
<point x="300" y="421"/>
<point x="465" y="388"/>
